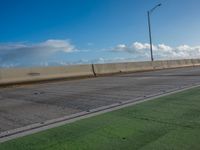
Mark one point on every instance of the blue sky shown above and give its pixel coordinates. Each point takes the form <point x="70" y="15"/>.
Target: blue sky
<point x="57" y="32"/>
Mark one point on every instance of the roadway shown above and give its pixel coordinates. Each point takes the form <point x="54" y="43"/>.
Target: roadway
<point x="29" y="104"/>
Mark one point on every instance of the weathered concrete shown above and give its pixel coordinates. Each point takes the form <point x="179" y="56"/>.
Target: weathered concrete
<point x="21" y="75"/>
<point x="25" y="105"/>
<point x="111" y="68"/>
<point x="101" y="69"/>
<point x="158" y="65"/>
<point x="196" y="62"/>
<point x="17" y="75"/>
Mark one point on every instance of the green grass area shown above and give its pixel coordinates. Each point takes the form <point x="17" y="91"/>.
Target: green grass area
<point x="167" y="123"/>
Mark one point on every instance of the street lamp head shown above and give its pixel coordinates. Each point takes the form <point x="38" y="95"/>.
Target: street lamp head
<point x="159" y="4"/>
<point x="150" y="11"/>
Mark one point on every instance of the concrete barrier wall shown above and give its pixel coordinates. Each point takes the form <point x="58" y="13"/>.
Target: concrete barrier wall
<point x="101" y="69"/>
<point x="196" y="62"/>
<point x="159" y="65"/>
<point x="10" y="76"/>
<point x="180" y="63"/>
<point x="176" y="63"/>
<point x="138" y="66"/>
<point x="43" y="73"/>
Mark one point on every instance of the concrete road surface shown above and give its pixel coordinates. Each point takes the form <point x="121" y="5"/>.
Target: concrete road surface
<point x="24" y="105"/>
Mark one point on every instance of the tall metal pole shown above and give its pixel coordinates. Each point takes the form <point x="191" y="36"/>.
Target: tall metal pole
<point x="149" y="23"/>
<point x="150" y="37"/>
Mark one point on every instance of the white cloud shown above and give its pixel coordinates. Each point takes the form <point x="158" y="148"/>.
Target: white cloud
<point x="121" y="47"/>
<point x="161" y="51"/>
<point x="18" y="51"/>
<point x="47" y="53"/>
<point x="163" y="47"/>
<point x="140" y="46"/>
<point x="102" y="60"/>
<point x="50" y="45"/>
<point x="56" y="45"/>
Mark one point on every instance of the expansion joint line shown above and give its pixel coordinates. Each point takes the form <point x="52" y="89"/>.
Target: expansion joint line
<point x="93" y="70"/>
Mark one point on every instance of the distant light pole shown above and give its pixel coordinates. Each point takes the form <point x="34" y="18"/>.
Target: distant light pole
<point x="149" y="23"/>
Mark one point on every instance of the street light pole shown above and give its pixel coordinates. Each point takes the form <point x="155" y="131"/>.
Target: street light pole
<point x="149" y="24"/>
<point x="150" y="38"/>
